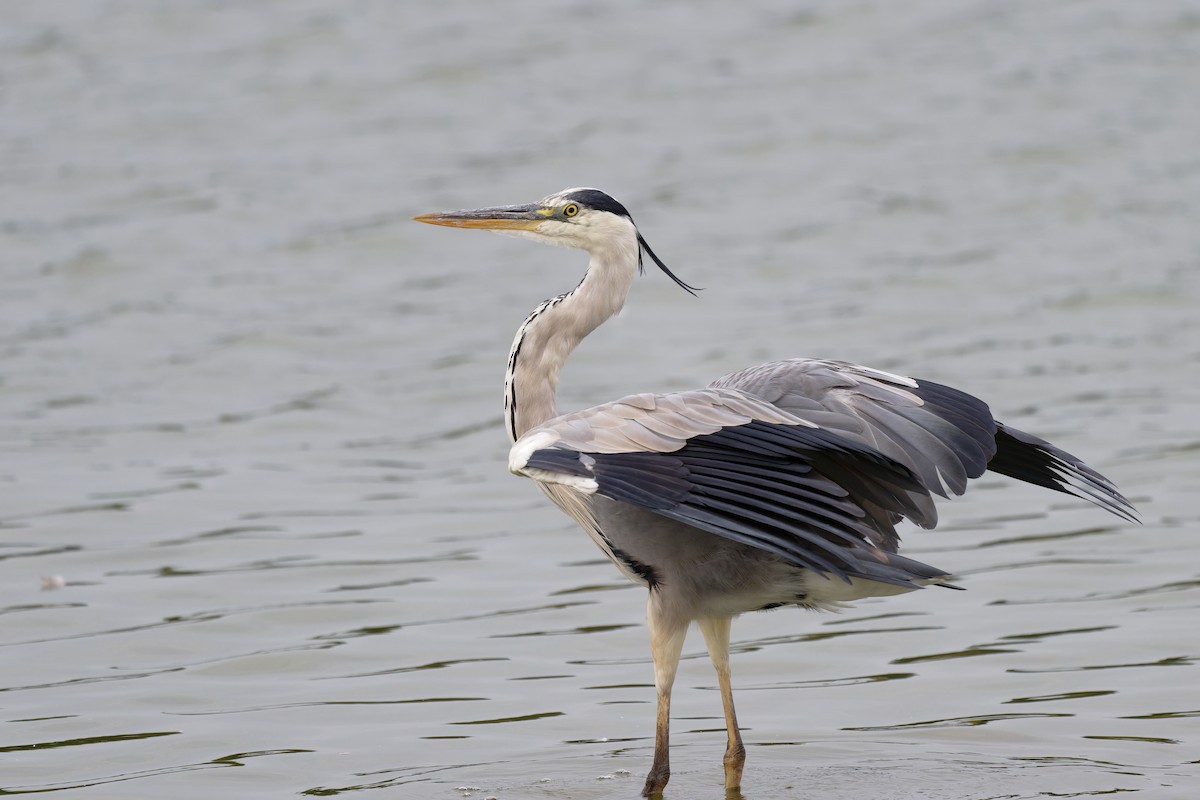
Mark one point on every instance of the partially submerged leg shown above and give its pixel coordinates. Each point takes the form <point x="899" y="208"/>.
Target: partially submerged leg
<point x="716" y="636"/>
<point x="666" y="643"/>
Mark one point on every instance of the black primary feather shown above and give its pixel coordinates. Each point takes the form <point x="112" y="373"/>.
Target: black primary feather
<point x="1028" y="458"/>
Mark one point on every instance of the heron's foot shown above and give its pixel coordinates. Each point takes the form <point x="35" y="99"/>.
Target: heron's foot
<point x="656" y="781"/>
<point x="735" y="760"/>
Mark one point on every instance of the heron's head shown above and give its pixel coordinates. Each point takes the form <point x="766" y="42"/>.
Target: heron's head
<point x="587" y="219"/>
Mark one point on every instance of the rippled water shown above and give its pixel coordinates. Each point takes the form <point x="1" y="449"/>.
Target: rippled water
<point x="256" y="534"/>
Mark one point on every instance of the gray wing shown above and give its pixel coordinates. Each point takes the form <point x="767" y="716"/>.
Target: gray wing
<point x="812" y="460"/>
<point x="731" y="464"/>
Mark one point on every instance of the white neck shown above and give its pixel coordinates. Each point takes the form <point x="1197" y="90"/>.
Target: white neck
<point x="556" y="327"/>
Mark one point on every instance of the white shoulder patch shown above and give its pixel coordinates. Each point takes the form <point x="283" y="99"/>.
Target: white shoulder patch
<point x="524" y="447"/>
<point x="518" y="458"/>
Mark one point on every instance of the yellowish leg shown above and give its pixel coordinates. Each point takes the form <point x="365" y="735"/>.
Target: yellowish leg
<point x="716" y="636"/>
<point x="666" y="643"/>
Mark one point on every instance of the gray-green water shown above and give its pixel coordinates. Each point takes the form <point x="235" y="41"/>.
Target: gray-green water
<point x="249" y="413"/>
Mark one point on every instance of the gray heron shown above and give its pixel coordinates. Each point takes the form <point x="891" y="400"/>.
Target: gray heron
<point x="776" y="485"/>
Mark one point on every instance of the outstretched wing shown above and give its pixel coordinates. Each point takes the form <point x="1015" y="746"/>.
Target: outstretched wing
<point x="812" y="460"/>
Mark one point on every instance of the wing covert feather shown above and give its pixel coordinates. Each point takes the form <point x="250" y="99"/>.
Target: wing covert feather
<point x="657" y="423"/>
<point x="943" y="435"/>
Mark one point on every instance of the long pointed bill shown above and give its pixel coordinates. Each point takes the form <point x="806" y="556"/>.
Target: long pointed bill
<point x="510" y="218"/>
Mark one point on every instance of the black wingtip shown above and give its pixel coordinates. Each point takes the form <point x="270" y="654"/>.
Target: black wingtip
<point x="646" y="248"/>
<point x="1027" y="458"/>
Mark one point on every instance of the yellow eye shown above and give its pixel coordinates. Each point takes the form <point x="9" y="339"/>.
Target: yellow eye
<point x="570" y="210"/>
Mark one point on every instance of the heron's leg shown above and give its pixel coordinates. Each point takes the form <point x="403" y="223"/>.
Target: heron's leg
<point x="716" y="636"/>
<point x="666" y="643"/>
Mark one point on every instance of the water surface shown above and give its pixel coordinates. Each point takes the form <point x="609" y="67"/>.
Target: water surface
<point x="250" y="419"/>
